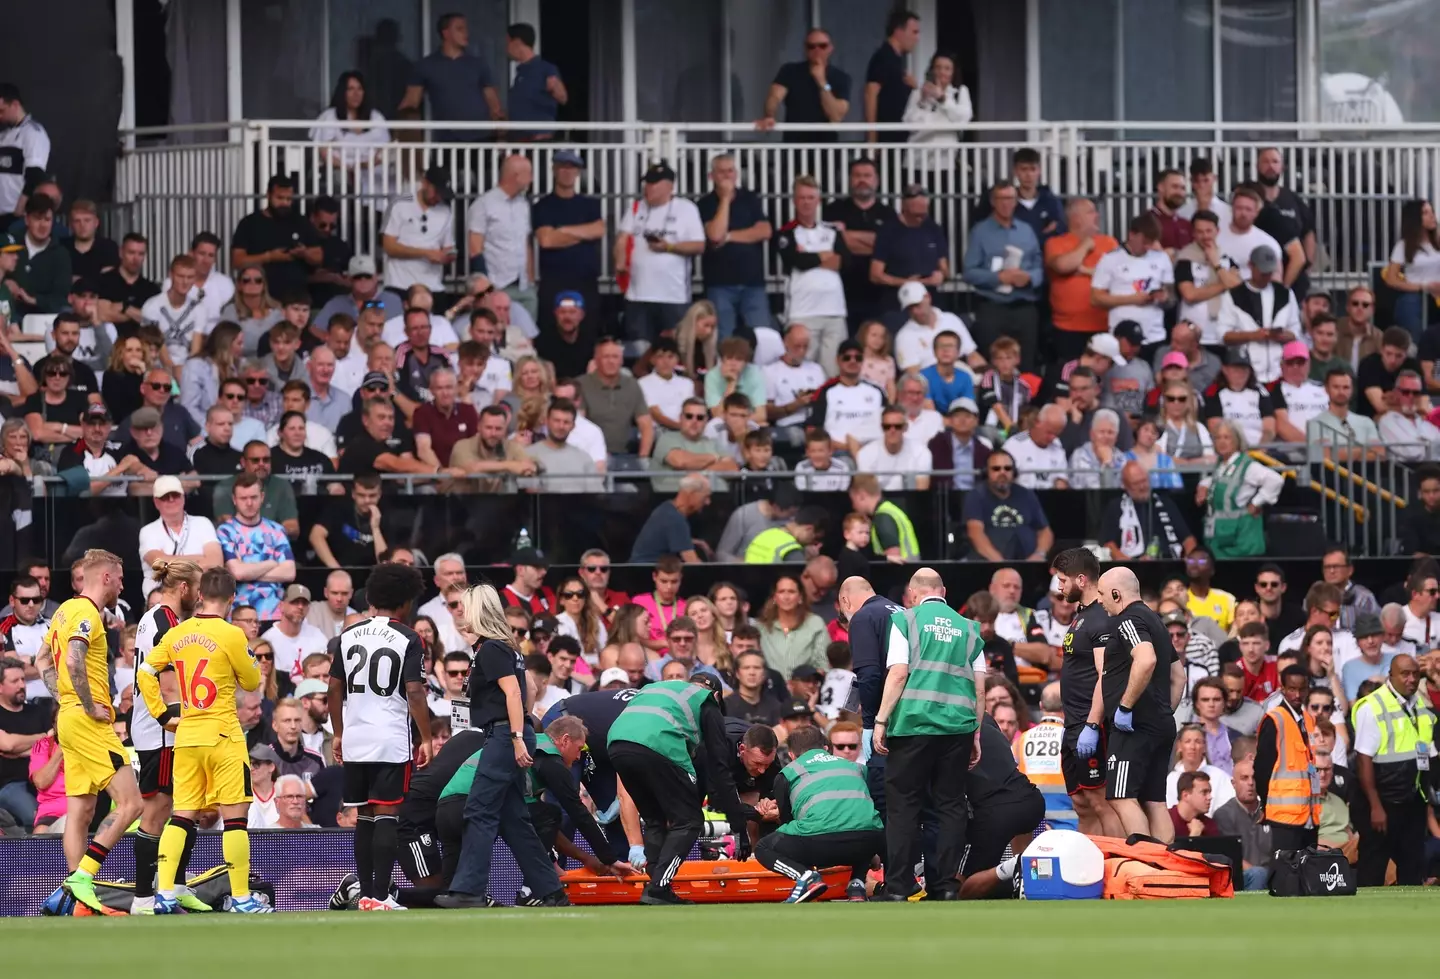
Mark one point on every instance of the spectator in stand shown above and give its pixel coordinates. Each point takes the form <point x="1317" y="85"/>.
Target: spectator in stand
<point x="733" y="262"/>
<point x="278" y="496"/>
<point x="277" y="238"/>
<point x="458" y="84"/>
<point x="181" y="429"/>
<point x="657" y="238"/>
<point x="689" y="450"/>
<point x="821" y="471"/>
<point x="124" y="290"/>
<point x="1335" y="568"/>
<point x="488" y="458"/>
<point x="735" y="374"/>
<point x="1241" y="398"/>
<point x="958" y="447"/>
<point x="791" y="635"/>
<point x="1414" y="269"/>
<point x="1003" y="521"/>
<point x="595" y="570"/>
<point x="860" y="218"/>
<point x="23" y="724"/>
<point x="1420" y="525"/>
<point x="1097" y="463"/>
<point x="329" y="616"/>
<point x="1198" y="365"/>
<point x="1070" y="260"/>
<point x="752" y="701"/>
<point x="564" y="468"/>
<point x="570" y="233"/>
<point x="1422" y="622"/>
<point x="41" y="280"/>
<point x="615" y="402"/>
<point x="419" y="297"/>
<point x="887" y="82"/>
<point x="1260" y="315"/>
<point x="940" y="109"/>
<point x="776" y="507"/>
<point x="1377" y="374"/>
<point x="93" y="454"/>
<point x="1202" y="194"/>
<point x="1295" y="398"/>
<point x="922" y="423"/>
<point x="1194" y="799"/>
<point x="915" y="342"/>
<point x="812" y="91"/>
<point x="298" y="764"/>
<point x="243" y="429"/>
<point x="302" y="439"/>
<point x="812" y="253"/>
<point x="176" y="535"/>
<point x="944" y="380"/>
<point x="528" y="591"/>
<point x="382" y="447"/>
<point x="1239" y="238"/>
<point x="1405" y="432"/>
<point x="257" y="551"/>
<point x="1137" y="283"/>
<point x="847" y="408"/>
<point x="294" y="639"/>
<point x="569" y="343"/>
<point x="219" y="359"/>
<point x="419" y="233"/>
<point x="1084" y="401"/>
<point x="1235" y="496"/>
<point x="262" y="402"/>
<point x="352" y="537"/>
<point x="353" y="148"/>
<point x="878" y="365"/>
<point x="499" y="233"/>
<point x="152" y="454"/>
<point x="1038" y="453"/>
<point x="1142" y="525"/>
<point x="667" y="529"/>
<point x="23" y="631"/>
<point x="1338" y="426"/>
<point x="91" y="253"/>
<point x="1185" y="439"/>
<point x="586" y="435"/>
<point x="1287" y="217"/>
<point x="85" y="337"/>
<point x="912" y="248"/>
<point x="900" y="463"/>
<point x="1000" y="392"/>
<point x="1003" y="265"/>
<point x="417" y="359"/>
<point x="1358" y="335"/>
<point x="253" y="308"/>
<point x="328" y="403"/>
<point x="1175" y="231"/>
<point x="364" y="288"/>
<point x="665" y="389"/>
<point x="536" y="90"/>
<point x="1128" y="381"/>
<point x="442" y="421"/>
<point x="53" y="413"/>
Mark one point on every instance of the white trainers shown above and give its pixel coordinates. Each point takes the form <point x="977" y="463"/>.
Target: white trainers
<point x="143" y="905"/>
<point x="375" y="904"/>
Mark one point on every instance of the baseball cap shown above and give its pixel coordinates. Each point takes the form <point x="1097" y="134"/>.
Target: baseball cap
<point x="568" y="299"/>
<point x="1129" y="331"/>
<point x="1105" y="345"/>
<point x="439" y="178"/>
<point x="1367" y="625"/>
<point x="361" y="265"/>
<point x="309" y="688"/>
<point x="11" y="243"/>
<point x="96" y="412"/>
<point x="295" y="593"/>
<point x="963" y="404"/>
<point x="86" y="285"/>
<point x="1264" y="259"/>
<point x="529" y="557"/>
<point x="263" y="752"/>
<point x="659" y="171"/>
<point x="796" y="708"/>
<point x="545" y="624"/>
<point x="1175" y="617"/>
<point x="614" y="675"/>
<point x="805" y="672"/>
<point x="166" y="485"/>
<point x="377" y="378"/>
<point x="145" y="419"/>
<point x="849" y="346"/>
<point x="912" y="293"/>
<point x="1236" y="357"/>
<point x="1174" y="359"/>
<point x="569" y="158"/>
<point x="1295" y="350"/>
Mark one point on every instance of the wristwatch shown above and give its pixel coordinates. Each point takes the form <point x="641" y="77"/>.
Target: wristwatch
<point x="516" y="736"/>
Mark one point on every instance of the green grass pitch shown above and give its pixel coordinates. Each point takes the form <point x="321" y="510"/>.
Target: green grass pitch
<point x="1252" y="935"/>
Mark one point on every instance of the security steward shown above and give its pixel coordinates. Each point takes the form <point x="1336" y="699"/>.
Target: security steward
<point x="1005" y="809"/>
<point x="1395" y="747"/>
<point x="598" y="709"/>
<point x="1286" y="779"/>
<point x="557" y="752"/>
<point x="926" y="726"/>
<point x="892" y="534"/>
<point x="653" y="745"/>
<point x="1037" y="754"/>
<point x="826" y="820"/>
<point x="786" y="545"/>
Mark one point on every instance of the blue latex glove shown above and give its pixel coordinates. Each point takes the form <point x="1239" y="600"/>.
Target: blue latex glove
<point x="1124" y="720"/>
<point x="1088" y="742"/>
<point x="637" y="857"/>
<point x="607" y="816"/>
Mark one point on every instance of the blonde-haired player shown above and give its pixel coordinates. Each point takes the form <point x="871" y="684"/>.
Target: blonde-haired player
<point x="212" y="764"/>
<point x="74" y="662"/>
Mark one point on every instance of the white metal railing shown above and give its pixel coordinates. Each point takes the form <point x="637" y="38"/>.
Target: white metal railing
<point x="175" y="181"/>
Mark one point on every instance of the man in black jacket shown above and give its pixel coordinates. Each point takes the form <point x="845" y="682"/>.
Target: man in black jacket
<point x="869" y="617"/>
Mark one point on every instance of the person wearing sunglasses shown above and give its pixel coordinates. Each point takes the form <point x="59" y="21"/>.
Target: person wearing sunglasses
<point x="1405" y="430"/>
<point x="1322" y="611"/>
<point x="1004" y="521"/>
<point x="1359" y="336"/>
<point x="179" y="428"/>
<point x="811" y="91"/>
<point x="53" y="413"/>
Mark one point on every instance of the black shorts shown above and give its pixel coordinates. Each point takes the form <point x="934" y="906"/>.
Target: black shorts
<point x="376" y="783"/>
<point x="1137" y="766"/>
<point x="419" y="854"/>
<point x="157" y="772"/>
<point x="994" y="824"/>
<point x="1081" y="773"/>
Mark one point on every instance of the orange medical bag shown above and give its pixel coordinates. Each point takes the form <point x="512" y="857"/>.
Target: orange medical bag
<point x="701" y="881"/>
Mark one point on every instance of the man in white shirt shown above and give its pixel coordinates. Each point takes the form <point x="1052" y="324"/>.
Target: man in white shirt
<point x="812" y="253"/>
<point x="791" y="383"/>
<point x="586" y="435"/>
<point x="848" y="408"/>
<point x="1202" y="191"/>
<point x="449" y="571"/>
<point x="419" y="234"/>
<point x="216" y="288"/>
<point x="1239" y="237"/>
<point x="1297" y="399"/>
<point x="1422" y="622"/>
<point x="24" y="145"/>
<point x="1406" y="432"/>
<point x="176" y="535"/>
<point x="1136" y="281"/>
<point x="179" y="314"/>
<point x="915" y="342"/>
<point x="1261" y="313"/>
<point x="291" y="636"/>
<point x="1040" y="460"/>
<point x="658" y="237"/>
<point x="500" y="236"/>
<point x="898" y="463"/>
<point x="922" y="423"/>
<point x="1202" y="277"/>
<point x="442" y="332"/>
<point x="666" y="390"/>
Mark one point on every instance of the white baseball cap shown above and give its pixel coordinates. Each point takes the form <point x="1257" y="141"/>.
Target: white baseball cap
<point x="1106" y="346"/>
<point x="613" y="675"/>
<point x="165" y="485"/>
<point x="912" y="293"/>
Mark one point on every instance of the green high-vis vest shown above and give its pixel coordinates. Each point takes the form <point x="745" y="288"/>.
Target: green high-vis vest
<point x="772" y="546"/>
<point x="827" y="795"/>
<point x="664" y="717"/>
<point x="909" y="543"/>
<point x="939" y="695"/>
<point x="464" y="776"/>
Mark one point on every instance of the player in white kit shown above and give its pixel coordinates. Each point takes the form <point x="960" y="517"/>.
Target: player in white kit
<point x="179" y="585"/>
<point x="377" y="687"/>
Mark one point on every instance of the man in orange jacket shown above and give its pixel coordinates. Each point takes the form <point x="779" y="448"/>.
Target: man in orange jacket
<point x="1285" y="776"/>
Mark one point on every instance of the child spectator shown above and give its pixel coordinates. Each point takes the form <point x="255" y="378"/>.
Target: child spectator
<point x="878" y="366"/>
<point x="1001" y="392"/>
<point x="854" y="559"/>
<point x="758" y="456"/>
<point x="47" y="774"/>
<point x="735" y="375"/>
<point x="947" y="381"/>
<point x="823" y="473"/>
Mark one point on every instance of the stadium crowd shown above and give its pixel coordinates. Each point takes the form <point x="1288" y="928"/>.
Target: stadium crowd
<point x="1077" y="361"/>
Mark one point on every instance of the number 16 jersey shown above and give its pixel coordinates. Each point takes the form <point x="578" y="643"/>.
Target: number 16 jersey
<point x="375" y="659"/>
<point x="210" y="659"/>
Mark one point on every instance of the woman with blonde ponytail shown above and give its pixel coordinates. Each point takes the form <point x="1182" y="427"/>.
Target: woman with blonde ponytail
<point x="177" y="584"/>
<point x="496" y="805"/>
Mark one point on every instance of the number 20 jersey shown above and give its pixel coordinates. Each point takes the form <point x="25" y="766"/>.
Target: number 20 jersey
<point x="375" y="659"/>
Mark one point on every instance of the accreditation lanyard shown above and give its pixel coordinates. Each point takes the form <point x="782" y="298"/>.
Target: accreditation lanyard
<point x="1422" y="749"/>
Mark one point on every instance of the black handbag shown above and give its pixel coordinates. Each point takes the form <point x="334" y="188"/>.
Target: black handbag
<point x="1311" y="872"/>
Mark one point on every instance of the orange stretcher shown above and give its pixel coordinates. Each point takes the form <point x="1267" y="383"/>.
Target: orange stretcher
<point x="701" y="881"/>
